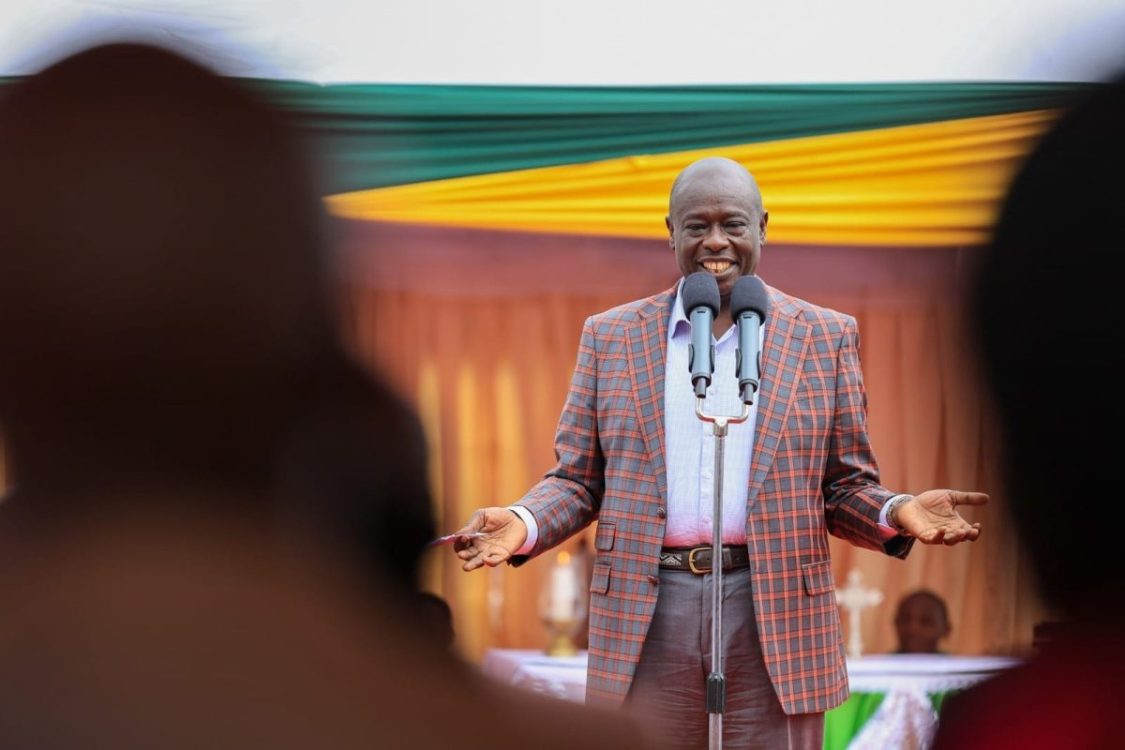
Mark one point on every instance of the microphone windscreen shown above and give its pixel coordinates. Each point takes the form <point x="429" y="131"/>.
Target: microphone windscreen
<point x="749" y="293"/>
<point x="700" y="289"/>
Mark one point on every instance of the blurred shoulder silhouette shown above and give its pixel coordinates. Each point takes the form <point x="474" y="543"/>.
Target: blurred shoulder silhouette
<point x="436" y="618"/>
<point x="215" y="512"/>
<point x="921" y="623"/>
<point x="1045" y="311"/>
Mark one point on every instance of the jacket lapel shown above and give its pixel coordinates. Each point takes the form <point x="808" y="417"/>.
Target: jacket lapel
<point x="648" y="342"/>
<point x="783" y="357"/>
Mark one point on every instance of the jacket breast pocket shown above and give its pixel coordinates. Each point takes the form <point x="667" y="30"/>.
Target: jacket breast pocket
<point x="599" y="582"/>
<point x="818" y="577"/>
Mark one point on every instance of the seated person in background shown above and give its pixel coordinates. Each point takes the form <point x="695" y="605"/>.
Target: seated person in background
<point x="1046" y="315"/>
<point x="921" y="622"/>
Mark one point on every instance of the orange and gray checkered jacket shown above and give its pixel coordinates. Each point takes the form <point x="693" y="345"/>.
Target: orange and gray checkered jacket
<point x="812" y="473"/>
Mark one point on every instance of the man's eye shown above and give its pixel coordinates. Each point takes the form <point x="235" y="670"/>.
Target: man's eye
<point x="695" y="227"/>
<point x="736" y="227"/>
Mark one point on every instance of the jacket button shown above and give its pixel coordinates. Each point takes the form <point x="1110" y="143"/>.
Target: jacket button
<point x="661" y="513"/>
<point x="654" y="580"/>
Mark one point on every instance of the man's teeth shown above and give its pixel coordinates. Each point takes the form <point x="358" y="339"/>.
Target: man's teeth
<point x="716" y="266"/>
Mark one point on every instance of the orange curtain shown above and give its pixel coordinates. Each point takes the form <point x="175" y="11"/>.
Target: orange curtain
<point x="479" y="329"/>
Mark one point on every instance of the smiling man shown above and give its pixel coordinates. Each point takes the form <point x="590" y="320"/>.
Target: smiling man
<point x="716" y="223"/>
<point x="633" y="456"/>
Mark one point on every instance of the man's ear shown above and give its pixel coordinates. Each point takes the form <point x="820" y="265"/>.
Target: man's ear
<point x="762" y="226"/>
<point x="671" y="238"/>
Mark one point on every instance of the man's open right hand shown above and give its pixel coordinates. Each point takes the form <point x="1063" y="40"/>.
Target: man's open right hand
<point x="504" y="533"/>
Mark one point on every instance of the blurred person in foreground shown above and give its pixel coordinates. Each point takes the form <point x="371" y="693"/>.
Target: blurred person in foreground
<point x="633" y="456"/>
<point x="436" y="619"/>
<point x="194" y="552"/>
<point x="1045" y="311"/>
<point x="921" y="623"/>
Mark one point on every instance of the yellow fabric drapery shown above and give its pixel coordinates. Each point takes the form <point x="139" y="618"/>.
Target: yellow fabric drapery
<point x="936" y="184"/>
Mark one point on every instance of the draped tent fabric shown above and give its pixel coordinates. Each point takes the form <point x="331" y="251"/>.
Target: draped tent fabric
<point x="477" y="226"/>
<point x="920" y="185"/>
<point x="375" y="136"/>
<point x="886" y="164"/>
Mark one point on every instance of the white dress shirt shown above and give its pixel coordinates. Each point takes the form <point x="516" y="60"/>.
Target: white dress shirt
<point x="689" y="445"/>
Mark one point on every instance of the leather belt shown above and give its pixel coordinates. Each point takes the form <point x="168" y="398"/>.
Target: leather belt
<point x="698" y="559"/>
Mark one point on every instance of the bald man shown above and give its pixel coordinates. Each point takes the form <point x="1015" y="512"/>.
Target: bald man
<point x="633" y="456"/>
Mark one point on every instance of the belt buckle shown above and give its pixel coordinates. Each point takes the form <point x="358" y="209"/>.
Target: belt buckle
<point x="691" y="561"/>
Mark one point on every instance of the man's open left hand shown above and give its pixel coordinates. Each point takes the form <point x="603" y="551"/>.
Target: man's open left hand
<point x="932" y="516"/>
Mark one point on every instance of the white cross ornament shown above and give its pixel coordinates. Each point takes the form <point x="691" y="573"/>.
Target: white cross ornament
<point x="855" y="597"/>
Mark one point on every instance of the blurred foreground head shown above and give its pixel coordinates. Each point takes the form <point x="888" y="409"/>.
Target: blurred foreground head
<point x="1046" y="310"/>
<point x="160" y="264"/>
<point x="164" y="309"/>
<point x="167" y="353"/>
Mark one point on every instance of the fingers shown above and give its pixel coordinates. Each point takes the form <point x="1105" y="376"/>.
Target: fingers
<point x="954" y="537"/>
<point x="968" y="498"/>
<point x="933" y="536"/>
<point x="472" y="556"/>
<point x="476" y="523"/>
<point x="491" y="559"/>
<point x="950" y="536"/>
<point x="495" y="556"/>
<point x="964" y="532"/>
<point x="478" y="554"/>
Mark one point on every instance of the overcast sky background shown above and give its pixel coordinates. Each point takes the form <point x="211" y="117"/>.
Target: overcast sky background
<point x="595" y="42"/>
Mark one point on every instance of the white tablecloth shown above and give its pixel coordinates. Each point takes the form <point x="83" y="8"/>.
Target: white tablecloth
<point x="925" y="673"/>
<point x="905" y="719"/>
<point x="565" y="677"/>
<point x="557" y="676"/>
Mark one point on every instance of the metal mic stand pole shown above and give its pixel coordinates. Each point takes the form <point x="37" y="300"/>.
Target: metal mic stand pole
<point x="716" y="681"/>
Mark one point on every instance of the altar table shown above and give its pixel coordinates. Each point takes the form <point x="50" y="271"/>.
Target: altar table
<point x="895" y="697"/>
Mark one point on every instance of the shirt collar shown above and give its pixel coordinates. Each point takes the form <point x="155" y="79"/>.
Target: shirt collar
<point x="678" y="321"/>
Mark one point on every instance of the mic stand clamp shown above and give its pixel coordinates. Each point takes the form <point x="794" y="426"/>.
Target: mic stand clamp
<point x="716" y="681"/>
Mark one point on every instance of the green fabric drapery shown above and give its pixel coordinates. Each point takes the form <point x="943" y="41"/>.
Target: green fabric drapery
<point x="382" y="135"/>
<point x="378" y="135"/>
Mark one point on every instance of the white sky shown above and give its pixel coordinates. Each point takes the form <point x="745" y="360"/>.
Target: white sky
<point x="598" y="42"/>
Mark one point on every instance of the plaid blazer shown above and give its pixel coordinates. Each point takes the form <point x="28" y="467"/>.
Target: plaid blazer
<point x="812" y="473"/>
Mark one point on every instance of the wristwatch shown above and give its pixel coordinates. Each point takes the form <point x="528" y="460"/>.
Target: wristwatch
<point x="892" y="514"/>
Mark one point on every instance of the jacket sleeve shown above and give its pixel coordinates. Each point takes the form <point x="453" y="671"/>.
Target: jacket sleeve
<point x="853" y="496"/>
<point x="567" y="499"/>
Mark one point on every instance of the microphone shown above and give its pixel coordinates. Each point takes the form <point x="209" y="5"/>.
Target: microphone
<point x="749" y="302"/>
<point x="700" y="298"/>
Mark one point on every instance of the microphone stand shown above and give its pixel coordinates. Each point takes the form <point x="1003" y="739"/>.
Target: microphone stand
<point x="716" y="680"/>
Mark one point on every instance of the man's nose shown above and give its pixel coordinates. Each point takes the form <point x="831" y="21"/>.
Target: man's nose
<point x="716" y="239"/>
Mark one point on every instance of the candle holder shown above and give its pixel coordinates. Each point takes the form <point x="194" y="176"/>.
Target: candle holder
<point x="561" y="634"/>
<point x="562" y="605"/>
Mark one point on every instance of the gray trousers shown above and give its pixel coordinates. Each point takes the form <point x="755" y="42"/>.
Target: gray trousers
<point x="669" y="687"/>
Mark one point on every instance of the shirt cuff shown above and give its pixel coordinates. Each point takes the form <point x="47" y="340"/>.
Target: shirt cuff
<point x="532" y="529"/>
<point x="885" y="529"/>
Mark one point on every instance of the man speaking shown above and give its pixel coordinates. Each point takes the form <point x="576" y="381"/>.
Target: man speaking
<point x="633" y="455"/>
